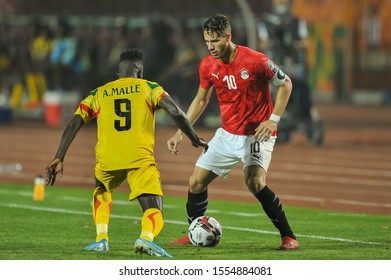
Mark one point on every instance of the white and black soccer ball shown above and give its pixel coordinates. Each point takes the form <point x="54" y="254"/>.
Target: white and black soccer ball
<point x="205" y="231"/>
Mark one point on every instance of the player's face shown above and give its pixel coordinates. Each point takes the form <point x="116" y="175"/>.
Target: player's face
<point x="217" y="44"/>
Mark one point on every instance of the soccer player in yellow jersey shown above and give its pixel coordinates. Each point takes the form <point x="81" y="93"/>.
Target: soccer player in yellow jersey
<point x="125" y="114"/>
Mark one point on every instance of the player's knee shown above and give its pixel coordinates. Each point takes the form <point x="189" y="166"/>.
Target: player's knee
<point x="196" y="185"/>
<point x="256" y="183"/>
<point x="148" y="201"/>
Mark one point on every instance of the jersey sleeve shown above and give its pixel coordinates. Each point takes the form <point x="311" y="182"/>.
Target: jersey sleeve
<point x="274" y="74"/>
<point x="157" y="93"/>
<point x="88" y="108"/>
<point x="205" y="82"/>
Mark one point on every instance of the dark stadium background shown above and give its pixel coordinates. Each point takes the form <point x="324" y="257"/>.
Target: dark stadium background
<point x="350" y="82"/>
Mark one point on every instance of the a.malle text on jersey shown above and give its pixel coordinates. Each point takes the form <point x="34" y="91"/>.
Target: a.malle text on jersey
<point x="122" y="90"/>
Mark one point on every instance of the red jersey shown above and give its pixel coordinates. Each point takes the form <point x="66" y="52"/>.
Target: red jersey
<point x="242" y="89"/>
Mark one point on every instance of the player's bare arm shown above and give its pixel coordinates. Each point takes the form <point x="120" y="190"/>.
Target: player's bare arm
<point x="195" y="110"/>
<point x="181" y="121"/>
<point x="56" y="165"/>
<point x="266" y="128"/>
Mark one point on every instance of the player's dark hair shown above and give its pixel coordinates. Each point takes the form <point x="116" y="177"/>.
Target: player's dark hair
<point x="131" y="55"/>
<point x="130" y="64"/>
<point x="218" y="23"/>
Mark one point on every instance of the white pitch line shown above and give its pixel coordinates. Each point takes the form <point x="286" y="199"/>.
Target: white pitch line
<point x="67" y="211"/>
<point x="312" y="236"/>
<point x="361" y="203"/>
<point x="127" y="203"/>
<point x="283" y="197"/>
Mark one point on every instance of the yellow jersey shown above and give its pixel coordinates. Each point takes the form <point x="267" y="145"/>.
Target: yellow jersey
<point x="125" y="114"/>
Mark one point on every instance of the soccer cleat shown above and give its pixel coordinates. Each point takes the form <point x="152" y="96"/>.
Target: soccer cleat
<point x="289" y="243"/>
<point x="183" y="241"/>
<point x="102" y="245"/>
<point x="144" y="246"/>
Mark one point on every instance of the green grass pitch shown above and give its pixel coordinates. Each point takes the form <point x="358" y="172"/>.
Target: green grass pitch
<point x="60" y="226"/>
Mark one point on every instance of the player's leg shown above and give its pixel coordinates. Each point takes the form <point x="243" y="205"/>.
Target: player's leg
<point x="255" y="175"/>
<point x="101" y="209"/>
<point x="271" y="204"/>
<point x="197" y="197"/>
<point x="146" y="187"/>
<point x="106" y="181"/>
<point x="218" y="160"/>
<point x="152" y="221"/>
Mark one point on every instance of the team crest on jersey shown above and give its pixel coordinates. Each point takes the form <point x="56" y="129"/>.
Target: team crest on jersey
<point x="244" y="74"/>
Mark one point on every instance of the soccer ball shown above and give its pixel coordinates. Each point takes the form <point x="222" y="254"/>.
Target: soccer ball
<point x="205" y="231"/>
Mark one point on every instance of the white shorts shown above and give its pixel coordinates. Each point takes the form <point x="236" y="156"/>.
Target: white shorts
<point x="226" y="150"/>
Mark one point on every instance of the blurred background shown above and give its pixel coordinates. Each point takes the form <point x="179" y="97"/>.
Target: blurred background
<point x="337" y="123"/>
<point x="53" y="53"/>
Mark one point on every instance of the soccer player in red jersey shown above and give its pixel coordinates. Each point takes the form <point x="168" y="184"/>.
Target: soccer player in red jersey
<point x="240" y="77"/>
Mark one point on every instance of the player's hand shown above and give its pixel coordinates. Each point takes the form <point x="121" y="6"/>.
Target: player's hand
<point x="173" y="142"/>
<point x="265" y="130"/>
<point x="54" y="167"/>
<point x="201" y="142"/>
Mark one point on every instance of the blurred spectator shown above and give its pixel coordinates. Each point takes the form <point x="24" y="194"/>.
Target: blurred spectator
<point x="121" y="41"/>
<point x="284" y="39"/>
<point x="84" y="36"/>
<point x="159" y="49"/>
<point x="63" y="56"/>
<point x="5" y="61"/>
<point x="372" y="27"/>
<point x="182" y="72"/>
<point x="40" y="50"/>
<point x="18" y="40"/>
<point x="102" y="52"/>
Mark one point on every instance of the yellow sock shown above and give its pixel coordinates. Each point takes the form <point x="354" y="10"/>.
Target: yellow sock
<point x="151" y="224"/>
<point x="101" y="209"/>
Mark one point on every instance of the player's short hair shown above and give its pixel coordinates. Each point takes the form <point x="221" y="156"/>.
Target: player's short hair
<point x="131" y="55"/>
<point x="218" y="23"/>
